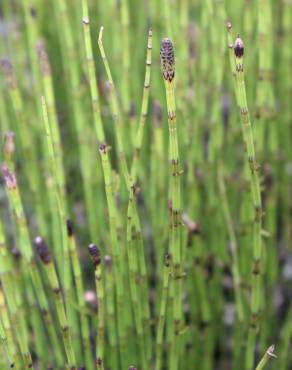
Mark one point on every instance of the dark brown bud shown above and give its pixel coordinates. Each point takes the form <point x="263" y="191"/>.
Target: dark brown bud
<point x="42" y="250"/>
<point x="167" y="60"/>
<point x="70" y="228"/>
<point x="95" y="254"/>
<point x="238" y="47"/>
<point x="9" y="178"/>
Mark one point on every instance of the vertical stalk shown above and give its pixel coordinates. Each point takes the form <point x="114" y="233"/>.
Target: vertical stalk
<point x="77" y="275"/>
<point x="117" y="256"/>
<point x="96" y="258"/>
<point x="51" y="273"/>
<point x="162" y="312"/>
<point x="168" y="72"/>
<point x="256" y="289"/>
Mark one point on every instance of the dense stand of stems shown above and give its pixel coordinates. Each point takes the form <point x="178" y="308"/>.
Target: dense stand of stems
<point x="193" y="275"/>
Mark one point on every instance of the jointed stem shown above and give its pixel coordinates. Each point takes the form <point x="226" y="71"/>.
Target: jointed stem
<point x="257" y="203"/>
<point x="167" y="67"/>
<point x="162" y="312"/>
<point x="95" y="255"/>
<point x="44" y="253"/>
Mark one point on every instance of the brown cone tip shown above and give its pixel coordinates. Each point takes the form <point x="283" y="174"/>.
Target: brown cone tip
<point x="42" y="250"/>
<point x="70" y="228"/>
<point x="167" y="59"/>
<point x="238" y="48"/>
<point x="94" y="253"/>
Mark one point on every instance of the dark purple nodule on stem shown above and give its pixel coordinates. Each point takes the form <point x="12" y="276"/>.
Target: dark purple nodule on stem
<point x="95" y="254"/>
<point x="132" y="368"/>
<point x="167" y="59"/>
<point x="42" y="250"/>
<point x="103" y="148"/>
<point x="70" y="228"/>
<point x="9" y="178"/>
<point x="238" y="48"/>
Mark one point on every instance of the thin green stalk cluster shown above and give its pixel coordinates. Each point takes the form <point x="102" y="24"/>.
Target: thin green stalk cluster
<point x="189" y="272"/>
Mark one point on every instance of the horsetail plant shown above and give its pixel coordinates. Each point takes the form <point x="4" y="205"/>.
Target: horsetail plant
<point x="96" y="259"/>
<point x="77" y="275"/>
<point x="26" y="249"/>
<point x="14" y="197"/>
<point x="162" y="311"/>
<point x="46" y="258"/>
<point x="162" y="295"/>
<point x="115" y="110"/>
<point x="168" y="71"/>
<point x="116" y="249"/>
<point x="247" y="130"/>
